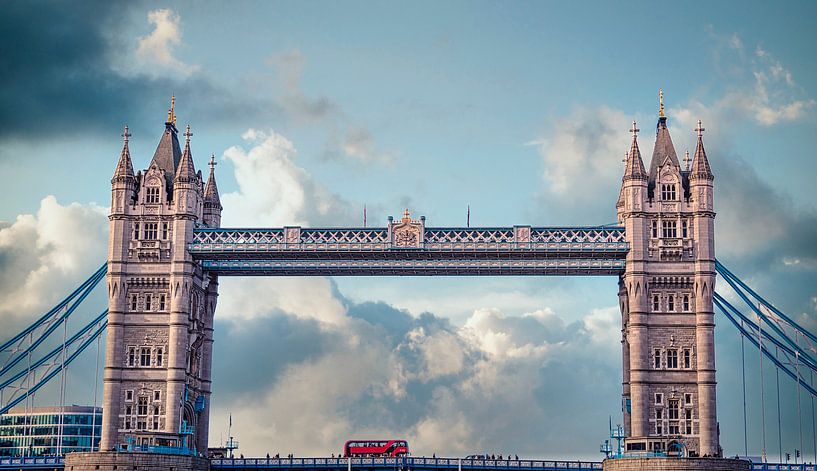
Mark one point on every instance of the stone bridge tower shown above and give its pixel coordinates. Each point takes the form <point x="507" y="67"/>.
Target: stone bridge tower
<point x="666" y="299"/>
<point x="161" y="304"/>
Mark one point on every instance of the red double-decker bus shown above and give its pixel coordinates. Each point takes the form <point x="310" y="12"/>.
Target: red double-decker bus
<point x="375" y="448"/>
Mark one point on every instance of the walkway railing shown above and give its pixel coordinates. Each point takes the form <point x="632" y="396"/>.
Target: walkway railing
<point x="400" y="463"/>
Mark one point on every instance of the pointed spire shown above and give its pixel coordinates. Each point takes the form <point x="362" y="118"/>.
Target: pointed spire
<point x="687" y="160"/>
<point x="664" y="148"/>
<point x="700" y="164"/>
<point x="661" y="103"/>
<point x="634" y="168"/>
<point x="186" y="171"/>
<point x="211" y="197"/>
<point x="124" y="168"/>
<point x="171" y="112"/>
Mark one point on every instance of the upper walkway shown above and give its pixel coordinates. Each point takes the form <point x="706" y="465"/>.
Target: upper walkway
<point x="517" y="250"/>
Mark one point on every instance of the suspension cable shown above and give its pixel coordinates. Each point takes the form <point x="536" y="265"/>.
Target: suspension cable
<point x="92" y="279"/>
<point x="57" y="350"/>
<point x="751" y="338"/>
<point x="728" y="274"/>
<point x="807" y="361"/>
<point x="15" y="360"/>
<point x="54" y="373"/>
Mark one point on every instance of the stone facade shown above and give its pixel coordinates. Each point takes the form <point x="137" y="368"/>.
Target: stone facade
<point x="665" y="297"/>
<point x="111" y="461"/>
<point x="676" y="464"/>
<point x="161" y="304"/>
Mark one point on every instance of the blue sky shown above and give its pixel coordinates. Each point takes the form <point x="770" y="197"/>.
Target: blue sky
<point x="520" y="110"/>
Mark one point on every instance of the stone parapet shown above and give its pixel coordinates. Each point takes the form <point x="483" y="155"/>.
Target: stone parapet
<point x="111" y="460"/>
<point x="675" y="464"/>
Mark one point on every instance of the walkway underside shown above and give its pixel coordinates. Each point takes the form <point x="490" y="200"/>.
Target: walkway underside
<point x="516" y="250"/>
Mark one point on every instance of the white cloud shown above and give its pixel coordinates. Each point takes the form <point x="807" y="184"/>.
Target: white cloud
<point x="47" y="254"/>
<point x="581" y="155"/>
<point x="759" y="87"/>
<point x="155" y="52"/>
<point x="272" y="190"/>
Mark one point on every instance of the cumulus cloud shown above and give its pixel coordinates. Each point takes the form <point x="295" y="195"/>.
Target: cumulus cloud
<point x="272" y="189"/>
<point x="581" y="156"/>
<point x="155" y="52"/>
<point x="81" y="78"/>
<point x="43" y="257"/>
<point x="447" y="389"/>
<point x="40" y="254"/>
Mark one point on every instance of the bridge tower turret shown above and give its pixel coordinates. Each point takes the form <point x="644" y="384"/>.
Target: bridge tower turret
<point x="703" y="231"/>
<point x="161" y="305"/>
<point x="666" y="301"/>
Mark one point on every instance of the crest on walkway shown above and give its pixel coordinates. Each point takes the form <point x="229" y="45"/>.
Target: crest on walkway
<point x="407" y="233"/>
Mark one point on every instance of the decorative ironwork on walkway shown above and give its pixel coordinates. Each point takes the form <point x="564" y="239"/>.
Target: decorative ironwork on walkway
<point x="409" y="248"/>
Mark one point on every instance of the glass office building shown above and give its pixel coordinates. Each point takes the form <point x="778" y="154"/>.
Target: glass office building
<point x="43" y="431"/>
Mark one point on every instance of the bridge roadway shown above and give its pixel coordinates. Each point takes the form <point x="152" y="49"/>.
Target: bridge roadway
<point x="379" y="464"/>
<point x="517" y="250"/>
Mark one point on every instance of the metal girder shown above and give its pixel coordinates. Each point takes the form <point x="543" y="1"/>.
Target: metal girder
<point x="518" y="250"/>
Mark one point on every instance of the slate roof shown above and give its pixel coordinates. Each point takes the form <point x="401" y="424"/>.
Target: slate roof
<point x="211" y="190"/>
<point x="700" y="164"/>
<point x="635" y="166"/>
<point x="663" y="148"/>
<point x="168" y="154"/>
<point x="124" y="168"/>
<point x="186" y="171"/>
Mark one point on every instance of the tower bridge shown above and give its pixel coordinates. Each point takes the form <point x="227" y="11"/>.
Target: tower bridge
<point x="167" y="250"/>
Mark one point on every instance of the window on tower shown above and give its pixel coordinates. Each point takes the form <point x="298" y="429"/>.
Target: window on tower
<point x="684" y="229"/>
<point x="687" y="358"/>
<point x="654" y="225"/>
<point x="671" y="303"/>
<point x="668" y="192"/>
<point x="133" y="299"/>
<point x="669" y="229"/>
<point x="161" y="302"/>
<point x="144" y="356"/>
<point x="147" y="302"/>
<point x="152" y="195"/>
<point x="142" y="406"/>
<point x="160" y="357"/>
<point x="135" y="231"/>
<point x="672" y="358"/>
<point x="657" y="359"/>
<point x="132" y="356"/>
<point x="674" y="409"/>
<point x="656" y="303"/>
<point x="165" y="227"/>
<point x="686" y="303"/>
<point x="688" y="425"/>
<point x="151" y="229"/>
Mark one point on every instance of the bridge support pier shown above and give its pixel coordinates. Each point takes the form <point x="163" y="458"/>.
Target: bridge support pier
<point x="676" y="464"/>
<point x="111" y="460"/>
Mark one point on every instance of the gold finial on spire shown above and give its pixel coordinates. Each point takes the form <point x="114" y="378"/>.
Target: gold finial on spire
<point x="661" y="103"/>
<point x="171" y="113"/>
<point x="187" y="135"/>
<point x="213" y="162"/>
<point x="406" y="216"/>
<point x="126" y="134"/>
<point x="634" y="130"/>
<point x="700" y="129"/>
